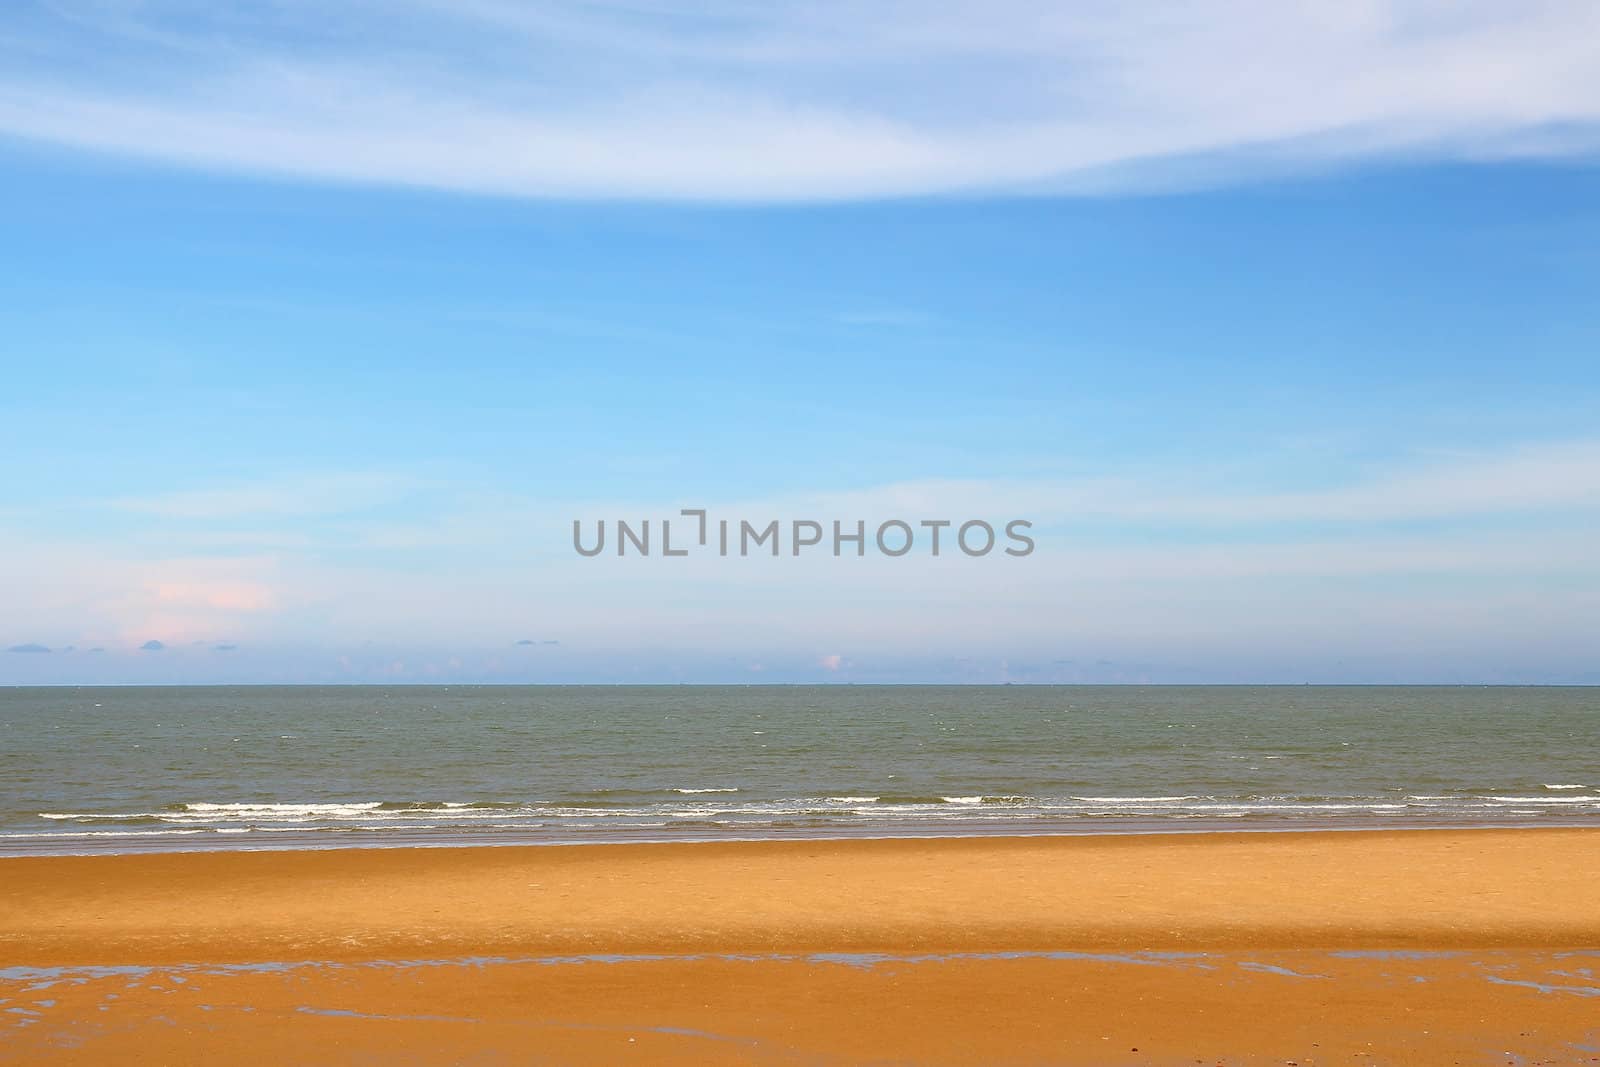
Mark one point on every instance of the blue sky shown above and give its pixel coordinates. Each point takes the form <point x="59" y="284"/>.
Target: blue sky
<point x="306" y="378"/>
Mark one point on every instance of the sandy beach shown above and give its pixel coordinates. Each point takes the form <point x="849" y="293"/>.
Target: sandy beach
<point x="1338" y="947"/>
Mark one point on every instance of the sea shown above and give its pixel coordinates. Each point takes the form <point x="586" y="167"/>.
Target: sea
<point x="95" y="769"/>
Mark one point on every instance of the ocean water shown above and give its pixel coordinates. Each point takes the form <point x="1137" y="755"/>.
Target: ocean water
<point x="136" y="769"/>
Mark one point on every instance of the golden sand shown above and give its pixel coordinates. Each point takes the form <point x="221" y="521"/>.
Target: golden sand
<point x="1211" y="948"/>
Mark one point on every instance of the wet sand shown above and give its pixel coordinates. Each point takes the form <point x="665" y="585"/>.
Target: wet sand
<point x="1345" y="947"/>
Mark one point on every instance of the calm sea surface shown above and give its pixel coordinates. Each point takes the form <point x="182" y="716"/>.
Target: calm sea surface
<point x="105" y="769"/>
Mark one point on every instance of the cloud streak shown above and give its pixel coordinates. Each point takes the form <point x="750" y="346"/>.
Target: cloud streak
<point x="827" y="100"/>
<point x="1542" y="478"/>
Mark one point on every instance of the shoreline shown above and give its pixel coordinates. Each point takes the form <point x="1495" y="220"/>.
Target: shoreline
<point x="447" y="837"/>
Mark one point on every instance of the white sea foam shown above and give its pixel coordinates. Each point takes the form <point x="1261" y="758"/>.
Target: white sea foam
<point x="1284" y="807"/>
<point x="1566" y="787"/>
<point x="1544" y="800"/>
<point x="53" y="835"/>
<point x="400" y="814"/>
<point x="296" y="813"/>
<point x="285" y="809"/>
<point x="239" y="820"/>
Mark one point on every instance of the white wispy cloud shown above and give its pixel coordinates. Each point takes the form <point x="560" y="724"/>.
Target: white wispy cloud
<point x="824" y="99"/>
<point x="1540" y="478"/>
<point x="1546" y="482"/>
